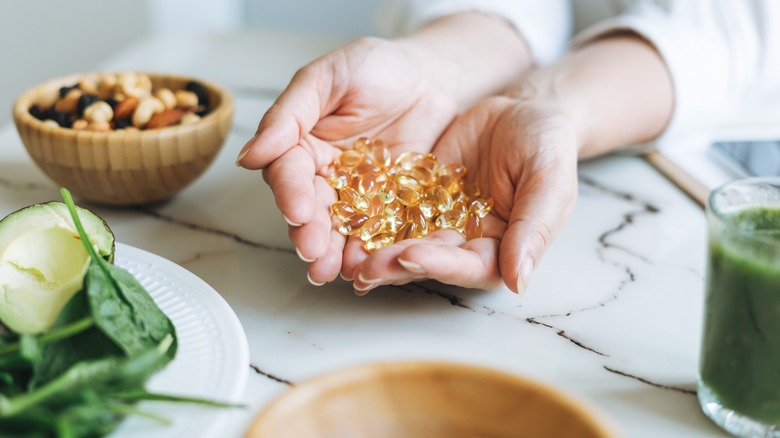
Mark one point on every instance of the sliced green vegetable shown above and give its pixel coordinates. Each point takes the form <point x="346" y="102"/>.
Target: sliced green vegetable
<point x="43" y="262"/>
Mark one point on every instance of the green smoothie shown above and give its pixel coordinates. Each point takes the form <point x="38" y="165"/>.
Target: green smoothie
<point x="740" y="356"/>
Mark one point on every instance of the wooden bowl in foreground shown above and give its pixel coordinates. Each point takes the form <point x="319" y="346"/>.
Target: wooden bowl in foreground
<point x="124" y="167"/>
<point x="426" y="399"/>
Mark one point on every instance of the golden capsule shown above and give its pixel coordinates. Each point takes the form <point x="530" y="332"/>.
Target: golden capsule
<point x="339" y="179"/>
<point x="407" y="231"/>
<point x="349" y="158"/>
<point x="351" y="225"/>
<point x="379" y="155"/>
<point x="458" y="196"/>
<point x="393" y="208"/>
<point x="440" y="198"/>
<point x="348" y="195"/>
<point x="481" y="206"/>
<point x="391" y="225"/>
<point x="453" y="219"/>
<point x="460" y="206"/>
<point x="379" y="241"/>
<point x="423" y="175"/>
<point x="414" y="215"/>
<point x="362" y="203"/>
<point x="470" y="190"/>
<point x="375" y="206"/>
<point x="472" y="229"/>
<point x="367" y="183"/>
<point x="428" y="208"/>
<point x="370" y="227"/>
<point x="342" y="209"/>
<point x="408" y="196"/>
<point x="450" y="183"/>
<point x="378" y="142"/>
<point x="362" y="142"/>
<point x="453" y="170"/>
<point x="387" y="191"/>
<point x="408" y="159"/>
<point x="366" y="166"/>
<point x="428" y="161"/>
<point x="407" y="182"/>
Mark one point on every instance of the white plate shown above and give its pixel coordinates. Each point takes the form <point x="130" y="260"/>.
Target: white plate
<point x="212" y="360"/>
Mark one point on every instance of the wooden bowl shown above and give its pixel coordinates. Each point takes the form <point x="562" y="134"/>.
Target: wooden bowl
<point x="121" y="167"/>
<point x="425" y="399"/>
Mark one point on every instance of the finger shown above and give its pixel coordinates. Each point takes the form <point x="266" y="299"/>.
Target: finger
<point x="292" y="116"/>
<point x="326" y="268"/>
<point x="444" y="256"/>
<point x="540" y="210"/>
<point x="354" y="254"/>
<point x="312" y="238"/>
<point x="291" y="178"/>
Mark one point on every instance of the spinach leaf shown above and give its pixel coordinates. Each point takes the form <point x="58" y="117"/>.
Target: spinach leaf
<point x="79" y="340"/>
<point x="122" y="308"/>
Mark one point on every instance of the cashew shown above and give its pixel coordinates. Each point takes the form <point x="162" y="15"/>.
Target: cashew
<point x="190" y="119"/>
<point x="106" y="86"/>
<point x="167" y="97"/>
<point x="99" y="112"/>
<point x="186" y="100"/>
<point x="144" y="111"/>
<point x="80" y="124"/>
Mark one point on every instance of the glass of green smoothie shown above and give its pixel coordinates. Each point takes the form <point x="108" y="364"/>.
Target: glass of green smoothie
<point x="739" y="370"/>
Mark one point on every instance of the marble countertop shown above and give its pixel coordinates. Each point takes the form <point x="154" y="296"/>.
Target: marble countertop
<point x="612" y="315"/>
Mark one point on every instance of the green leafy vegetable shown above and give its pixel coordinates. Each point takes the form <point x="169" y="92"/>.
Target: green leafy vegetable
<point x="86" y="373"/>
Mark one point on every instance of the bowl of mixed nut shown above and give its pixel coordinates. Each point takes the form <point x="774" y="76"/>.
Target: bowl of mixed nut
<point x="124" y="138"/>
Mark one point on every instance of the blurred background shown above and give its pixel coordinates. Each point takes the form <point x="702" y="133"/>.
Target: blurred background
<point x="42" y="39"/>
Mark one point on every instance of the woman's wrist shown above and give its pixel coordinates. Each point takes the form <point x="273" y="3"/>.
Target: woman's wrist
<point x="469" y="54"/>
<point x="616" y="90"/>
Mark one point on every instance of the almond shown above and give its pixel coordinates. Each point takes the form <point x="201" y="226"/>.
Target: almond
<point x="125" y="108"/>
<point x="165" y="118"/>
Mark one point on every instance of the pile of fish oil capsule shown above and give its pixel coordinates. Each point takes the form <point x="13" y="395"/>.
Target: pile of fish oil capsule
<point x="383" y="201"/>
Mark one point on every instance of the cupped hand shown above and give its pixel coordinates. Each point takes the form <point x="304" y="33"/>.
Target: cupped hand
<point x="370" y="88"/>
<point x="523" y="154"/>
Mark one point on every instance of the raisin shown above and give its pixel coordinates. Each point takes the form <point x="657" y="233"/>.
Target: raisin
<point x="62" y="118"/>
<point x="122" y="123"/>
<point x="200" y="91"/>
<point x="84" y="101"/>
<point x="64" y="90"/>
<point x="37" y="112"/>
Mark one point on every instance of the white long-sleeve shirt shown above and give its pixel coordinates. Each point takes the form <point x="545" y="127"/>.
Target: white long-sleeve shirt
<point x="723" y="55"/>
<point x="544" y="24"/>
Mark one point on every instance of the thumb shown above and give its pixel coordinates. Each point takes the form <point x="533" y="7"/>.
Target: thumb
<point x="540" y="210"/>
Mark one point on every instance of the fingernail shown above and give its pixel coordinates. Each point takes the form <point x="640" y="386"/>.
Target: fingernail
<point x="360" y="291"/>
<point x="314" y="283"/>
<point x="300" y="256"/>
<point x="344" y="277"/>
<point x="412" y="267"/>
<point x="362" y="279"/>
<point x="289" y="222"/>
<point x="241" y="155"/>
<point x="245" y="150"/>
<point x="524" y="275"/>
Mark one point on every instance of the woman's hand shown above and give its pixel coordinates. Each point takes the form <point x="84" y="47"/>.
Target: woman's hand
<point x="521" y="153"/>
